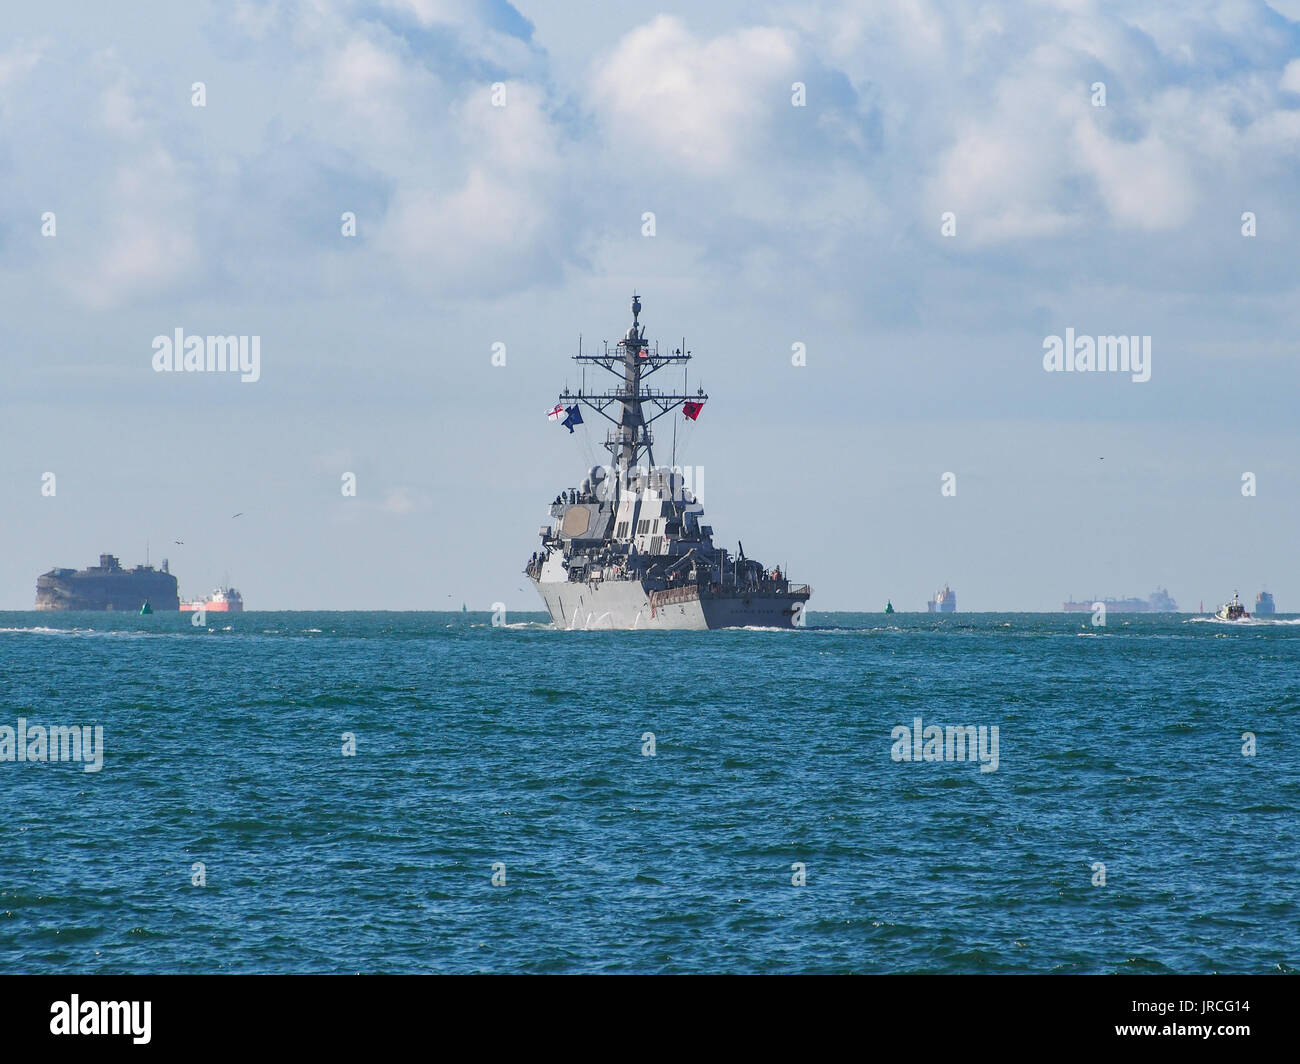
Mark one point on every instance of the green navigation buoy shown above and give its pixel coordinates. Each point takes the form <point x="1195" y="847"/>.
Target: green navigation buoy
<point x="146" y="609"/>
<point x="889" y="607"/>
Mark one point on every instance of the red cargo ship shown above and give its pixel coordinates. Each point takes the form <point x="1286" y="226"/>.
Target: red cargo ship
<point x="222" y="600"/>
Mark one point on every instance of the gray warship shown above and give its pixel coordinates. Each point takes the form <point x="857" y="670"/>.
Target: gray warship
<point x="107" y="586"/>
<point x="628" y="548"/>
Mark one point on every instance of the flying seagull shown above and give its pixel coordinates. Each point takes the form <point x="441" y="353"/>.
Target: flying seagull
<point x="179" y="542"/>
<point x="240" y="514"/>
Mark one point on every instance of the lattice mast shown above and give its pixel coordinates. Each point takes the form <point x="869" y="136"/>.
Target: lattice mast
<point x="632" y="360"/>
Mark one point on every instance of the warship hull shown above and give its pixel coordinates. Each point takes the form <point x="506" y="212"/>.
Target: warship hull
<point x="629" y="605"/>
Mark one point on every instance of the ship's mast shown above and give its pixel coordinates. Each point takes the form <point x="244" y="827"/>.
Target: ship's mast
<point x="632" y="360"/>
<point x="632" y="432"/>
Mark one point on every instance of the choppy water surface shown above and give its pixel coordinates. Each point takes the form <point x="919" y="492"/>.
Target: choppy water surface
<point x="522" y="745"/>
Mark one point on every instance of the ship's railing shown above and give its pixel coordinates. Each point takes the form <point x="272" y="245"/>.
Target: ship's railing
<point x="691" y="592"/>
<point x="687" y="593"/>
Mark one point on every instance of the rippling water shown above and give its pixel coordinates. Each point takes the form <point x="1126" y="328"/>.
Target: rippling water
<point x="522" y="745"/>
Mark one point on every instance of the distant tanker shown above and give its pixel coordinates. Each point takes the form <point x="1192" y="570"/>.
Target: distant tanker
<point x="107" y="586"/>
<point x="1160" y="602"/>
<point x="944" y="601"/>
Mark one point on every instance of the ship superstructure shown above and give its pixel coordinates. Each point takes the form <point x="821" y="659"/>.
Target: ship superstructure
<point x="1264" y="605"/>
<point x="107" y="586"/>
<point x="944" y="601"/>
<point x="628" y="548"/>
<point x="1233" y="611"/>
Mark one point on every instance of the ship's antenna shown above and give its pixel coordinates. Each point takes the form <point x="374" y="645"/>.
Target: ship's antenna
<point x="627" y="406"/>
<point x="686" y="372"/>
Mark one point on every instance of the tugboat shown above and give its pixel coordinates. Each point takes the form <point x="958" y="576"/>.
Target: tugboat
<point x="1232" y="611"/>
<point x="628" y="548"/>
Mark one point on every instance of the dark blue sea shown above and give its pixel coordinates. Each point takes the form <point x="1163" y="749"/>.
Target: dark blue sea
<point x="520" y="752"/>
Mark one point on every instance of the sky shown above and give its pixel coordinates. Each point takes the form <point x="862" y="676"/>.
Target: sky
<point x="919" y="194"/>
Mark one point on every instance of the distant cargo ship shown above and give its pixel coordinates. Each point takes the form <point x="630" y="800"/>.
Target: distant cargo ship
<point x="1264" y="606"/>
<point x="1159" y="602"/>
<point x="107" y="586"/>
<point x="944" y="601"/>
<point x="222" y="600"/>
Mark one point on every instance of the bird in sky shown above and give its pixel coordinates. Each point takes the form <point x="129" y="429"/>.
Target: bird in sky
<point x="240" y="514"/>
<point x="179" y="542"/>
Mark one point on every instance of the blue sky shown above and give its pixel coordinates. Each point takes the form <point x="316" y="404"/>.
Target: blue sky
<point x="774" y="225"/>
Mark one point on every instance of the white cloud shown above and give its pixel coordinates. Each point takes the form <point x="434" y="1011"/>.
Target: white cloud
<point x="118" y="113"/>
<point x="145" y="245"/>
<point x="504" y="215"/>
<point x="402" y="501"/>
<point x="1147" y="184"/>
<point x="990" y="108"/>
<point x="138" y="237"/>
<point x="1286" y="8"/>
<point x="662" y="91"/>
<point x="1291" y="76"/>
<point x="434" y="12"/>
<point x="18" y="62"/>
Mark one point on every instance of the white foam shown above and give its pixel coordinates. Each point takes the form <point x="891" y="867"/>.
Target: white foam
<point x="1245" y="622"/>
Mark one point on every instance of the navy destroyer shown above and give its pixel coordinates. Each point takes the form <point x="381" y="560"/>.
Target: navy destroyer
<point x="628" y="548"/>
<point x="107" y="586"/>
